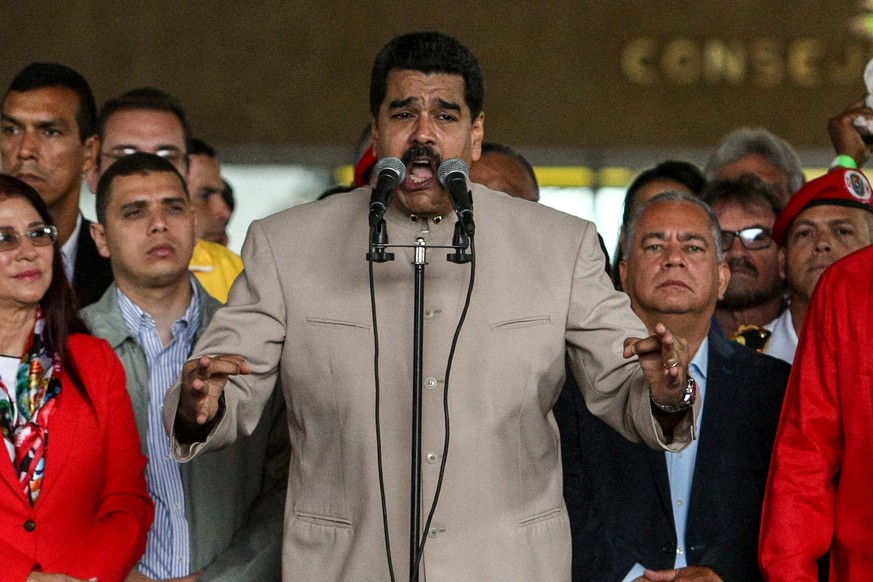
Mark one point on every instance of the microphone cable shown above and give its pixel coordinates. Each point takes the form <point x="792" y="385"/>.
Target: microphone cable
<point x="378" y="422"/>
<point x="449" y="362"/>
<point x="438" y="489"/>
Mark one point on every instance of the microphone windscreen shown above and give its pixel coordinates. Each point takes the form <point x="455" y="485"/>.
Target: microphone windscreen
<point x="395" y="165"/>
<point x="450" y="166"/>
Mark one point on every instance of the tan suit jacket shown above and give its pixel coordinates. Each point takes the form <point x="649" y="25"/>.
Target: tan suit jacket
<point x="301" y="309"/>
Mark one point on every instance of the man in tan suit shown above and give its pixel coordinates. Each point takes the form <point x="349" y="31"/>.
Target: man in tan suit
<point x="302" y="311"/>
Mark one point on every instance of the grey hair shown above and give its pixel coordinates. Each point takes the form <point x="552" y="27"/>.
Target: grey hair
<point x="674" y="196"/>
<point x="757" y="140"/>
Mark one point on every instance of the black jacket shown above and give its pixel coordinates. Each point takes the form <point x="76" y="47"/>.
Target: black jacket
<point x="618" y="492"/>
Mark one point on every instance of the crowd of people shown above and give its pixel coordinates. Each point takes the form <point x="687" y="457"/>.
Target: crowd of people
<point x="699" y="408"/>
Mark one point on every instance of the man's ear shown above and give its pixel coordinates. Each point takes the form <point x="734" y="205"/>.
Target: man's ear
<point x="92" y="176"/>
<point x="98" y="233"/>
<point x="724" y="278"/>
<point x="92" y="150"/>
<point x="477" y="133"/>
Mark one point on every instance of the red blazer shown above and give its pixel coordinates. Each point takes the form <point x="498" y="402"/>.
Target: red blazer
<point x="94" y="511"/>
<point x="820" y="493"/>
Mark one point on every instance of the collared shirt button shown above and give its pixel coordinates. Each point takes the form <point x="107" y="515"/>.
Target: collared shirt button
<point x="29" y="525"/>
<point x="430" y="313"/>
<point x="430" y="383"/>
<point x="432" y="457"/>
<point x="434" y="531"/>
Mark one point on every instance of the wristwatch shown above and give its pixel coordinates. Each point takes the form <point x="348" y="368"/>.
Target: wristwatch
<point x="687" y="398"/>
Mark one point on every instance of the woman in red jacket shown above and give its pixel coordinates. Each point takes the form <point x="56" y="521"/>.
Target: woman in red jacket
<point x="73" y="498"/>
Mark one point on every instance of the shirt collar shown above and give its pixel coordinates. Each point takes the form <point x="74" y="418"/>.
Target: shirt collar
<point x="69" y="248"/>
<point x="137" y="320"/>
<point x="699" y="361"/>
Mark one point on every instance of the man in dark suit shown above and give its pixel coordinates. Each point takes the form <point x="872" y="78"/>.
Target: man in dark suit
<point x="638" y="514"/>
<point x="49" y="140"/>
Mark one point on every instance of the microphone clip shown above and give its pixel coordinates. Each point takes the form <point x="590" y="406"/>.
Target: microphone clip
<point x="461" y="242"/>
<point x="378" y="242"/>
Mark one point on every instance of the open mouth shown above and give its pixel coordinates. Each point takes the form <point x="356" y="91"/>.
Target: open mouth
<point x="421" y="171"/>
<point x="421" y="164"/>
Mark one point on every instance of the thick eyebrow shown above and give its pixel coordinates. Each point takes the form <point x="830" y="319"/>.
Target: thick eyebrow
<point x="401" y="103"/>
<point x="683" y="237"/>
<point x="652" y="236"/>
<point x="174" y="200"/>
<point x="58" y="122"/>
<point x="829" y="224"/>
<point x="167" y="201"/>
<point x="450" y="105"/>
<point x="693" y="236"/>
<point x="841" y="222"/>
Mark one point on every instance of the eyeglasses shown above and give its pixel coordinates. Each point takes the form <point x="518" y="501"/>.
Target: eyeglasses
<point x="41" y="236"/>
<point x="173" y="156"/>
<point x="754" y="238"/>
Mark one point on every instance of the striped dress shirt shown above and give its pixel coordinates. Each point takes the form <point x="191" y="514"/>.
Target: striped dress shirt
<point x="167" y="548"/>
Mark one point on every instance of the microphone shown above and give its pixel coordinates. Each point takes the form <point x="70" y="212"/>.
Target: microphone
<point x="453" y="174"/>
<point x="389" y="172"/>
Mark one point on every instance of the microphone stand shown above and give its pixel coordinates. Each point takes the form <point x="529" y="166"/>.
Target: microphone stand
<point x="419" y="261"/>
<point x="378" y="244"/>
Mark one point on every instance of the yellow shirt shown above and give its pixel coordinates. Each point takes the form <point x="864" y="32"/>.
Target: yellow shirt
<point x="216" y="267"/>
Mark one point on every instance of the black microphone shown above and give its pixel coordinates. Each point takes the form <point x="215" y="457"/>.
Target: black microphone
<point x="389" y="172"/>
<point x="453" y="174"/>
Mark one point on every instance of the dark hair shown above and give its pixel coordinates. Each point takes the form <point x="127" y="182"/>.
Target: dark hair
<point x="427" y="52"/>
<point x="141" y="163"/>
<point x="678" y="171"/>
<point x="227" y="195"/>
<point x="746" y="190"/>
<point x="148" y="98"/>
<point x="684" y="173"/>
<point x="490" y="147"/>
<point x="201" y="148"/>
<point x="42" y="75"/>
<point x="59" y="302"/>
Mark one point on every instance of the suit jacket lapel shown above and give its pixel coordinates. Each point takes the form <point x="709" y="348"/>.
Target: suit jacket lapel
<point x="711" y="487"/>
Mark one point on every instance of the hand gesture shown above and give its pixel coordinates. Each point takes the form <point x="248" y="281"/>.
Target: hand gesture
<point x="847" y="131"/>
<point x="203" y="383"/>
<point x="664" y="360"/>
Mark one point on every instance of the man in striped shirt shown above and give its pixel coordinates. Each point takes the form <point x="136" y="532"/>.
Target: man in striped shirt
<point x="220" y="519"/>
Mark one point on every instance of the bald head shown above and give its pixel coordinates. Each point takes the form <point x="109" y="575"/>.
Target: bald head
<point x="502" y="169"/>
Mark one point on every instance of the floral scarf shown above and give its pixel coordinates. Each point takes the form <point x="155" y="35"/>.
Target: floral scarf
<point x="25" y="410"/>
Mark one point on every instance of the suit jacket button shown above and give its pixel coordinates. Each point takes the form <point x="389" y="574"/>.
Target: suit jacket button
<point x="29" y="525"/>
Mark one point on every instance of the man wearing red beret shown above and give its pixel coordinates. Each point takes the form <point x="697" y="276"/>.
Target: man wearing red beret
<point x="818" y="498"/>
<point x="827" y="219"/>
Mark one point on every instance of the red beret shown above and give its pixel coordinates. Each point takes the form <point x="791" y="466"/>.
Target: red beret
<point x="839" y="187"/>
<point x="364" y="165"/>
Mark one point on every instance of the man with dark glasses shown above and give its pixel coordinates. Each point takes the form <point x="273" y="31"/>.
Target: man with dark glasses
<point x="746" y="210"/>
